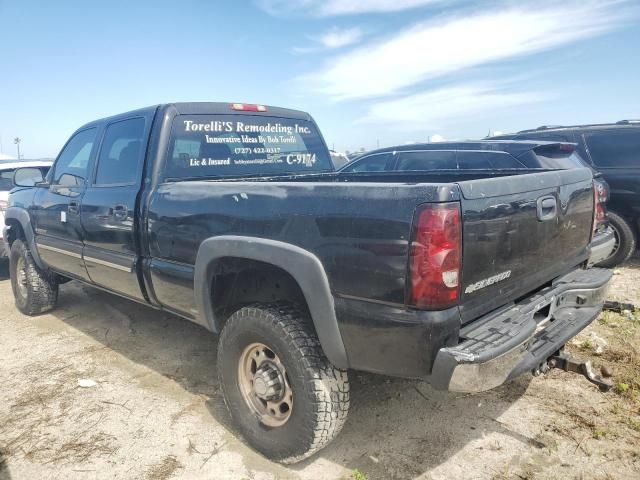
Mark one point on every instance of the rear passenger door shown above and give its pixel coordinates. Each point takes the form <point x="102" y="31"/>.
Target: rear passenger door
<point x="109" y="206"/>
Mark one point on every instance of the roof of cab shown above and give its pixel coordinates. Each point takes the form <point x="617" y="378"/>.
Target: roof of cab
<point x="203" y="108"/>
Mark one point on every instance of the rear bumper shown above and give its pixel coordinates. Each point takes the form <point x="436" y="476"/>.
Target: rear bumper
<point x="602" y="246"/>
<point x="521" y="337"/>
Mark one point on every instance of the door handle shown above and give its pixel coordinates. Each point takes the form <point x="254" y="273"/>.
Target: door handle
<point x="546" y="208"/>
<point x="120" y="212"/>
<point x="73" y="208"/>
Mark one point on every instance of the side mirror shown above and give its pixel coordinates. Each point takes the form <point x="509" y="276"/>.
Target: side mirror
<point x="27" y="177"/>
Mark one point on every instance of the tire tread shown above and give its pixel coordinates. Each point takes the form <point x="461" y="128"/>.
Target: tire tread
<point x="42" y="289"/>
<point x="328" y="386"/>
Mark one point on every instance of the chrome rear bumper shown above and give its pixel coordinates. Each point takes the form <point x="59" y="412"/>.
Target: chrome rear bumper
<point x="521" y="337"/>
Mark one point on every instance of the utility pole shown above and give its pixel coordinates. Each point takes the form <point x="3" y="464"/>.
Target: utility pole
<point x="17" y="141"/>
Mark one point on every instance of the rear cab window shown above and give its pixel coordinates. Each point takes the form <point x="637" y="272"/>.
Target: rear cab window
<point x="244" y="145"/>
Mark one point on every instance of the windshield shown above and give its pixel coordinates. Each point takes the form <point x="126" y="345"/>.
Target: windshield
<point x="237" y="145"/>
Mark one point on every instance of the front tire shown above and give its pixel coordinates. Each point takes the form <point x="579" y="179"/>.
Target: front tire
<point x="33" y="289"/>
<point x="287" y="400"/>
<point x="625" y="241"/>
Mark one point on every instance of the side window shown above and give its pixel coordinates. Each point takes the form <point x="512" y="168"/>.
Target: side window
<point x="473" y="161"/>
<point x="427" y="160"/>
<point x="73" y="162"/>
<point x="121" y="153"/>
<point x="615" y="149"/>
<point x="500" y="160"/>
<point x="372" y="163"/>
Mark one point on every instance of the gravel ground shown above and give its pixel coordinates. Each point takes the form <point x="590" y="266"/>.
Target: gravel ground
<point x="155" y="409"/>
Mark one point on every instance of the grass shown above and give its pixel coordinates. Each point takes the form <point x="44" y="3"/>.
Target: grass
<point x="605" y="318"/>
<point x="599" y="432"/>
<point x="358" y="475"/>
<point x="623" y="387"/>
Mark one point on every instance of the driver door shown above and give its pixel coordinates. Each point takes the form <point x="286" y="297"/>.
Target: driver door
<point x="56" y="214"/>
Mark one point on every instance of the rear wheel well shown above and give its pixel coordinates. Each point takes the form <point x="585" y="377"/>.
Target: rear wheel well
<point x="237" y="282"/>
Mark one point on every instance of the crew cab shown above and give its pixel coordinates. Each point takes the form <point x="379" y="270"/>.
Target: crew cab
<point x="231" y="216"/>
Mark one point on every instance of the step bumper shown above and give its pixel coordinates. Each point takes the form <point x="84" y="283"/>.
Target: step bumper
<point x="520" y="337"/>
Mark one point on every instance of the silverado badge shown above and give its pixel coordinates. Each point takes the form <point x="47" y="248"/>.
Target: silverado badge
<point x="487" y="281"/>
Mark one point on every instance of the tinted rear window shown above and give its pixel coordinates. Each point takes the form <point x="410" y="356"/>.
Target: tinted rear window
<point x="556" y="159"/>
<point x="615" y="149"/>
<point x="236" y="145"/>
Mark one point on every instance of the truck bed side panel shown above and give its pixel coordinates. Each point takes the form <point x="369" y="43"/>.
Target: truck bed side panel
<point x="360" y="231"/>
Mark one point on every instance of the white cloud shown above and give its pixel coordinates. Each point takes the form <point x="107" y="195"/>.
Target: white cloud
<point x="436" y="48"/>
<point x="336" y="38"/>
<point x="326" y="8"/>
<point x="332" y="39"/>
<point x="437" y="108"/>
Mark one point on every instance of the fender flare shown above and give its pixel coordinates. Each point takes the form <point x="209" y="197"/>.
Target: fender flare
<point x="302" y="265"/>
<point x="22" y="217"/>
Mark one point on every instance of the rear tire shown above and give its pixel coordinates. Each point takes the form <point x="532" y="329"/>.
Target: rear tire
<point x="625" y="241"/>
<point x="34" y="290"/>
<point x="317" y="393"/>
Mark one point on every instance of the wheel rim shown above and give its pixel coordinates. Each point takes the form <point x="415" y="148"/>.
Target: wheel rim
<point x="21" y="277"/>
<point x="616" y="246"/>
<point x="264" y="384"/>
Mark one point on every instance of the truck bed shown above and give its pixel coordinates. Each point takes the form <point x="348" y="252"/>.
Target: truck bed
<point x="361" y="231"/>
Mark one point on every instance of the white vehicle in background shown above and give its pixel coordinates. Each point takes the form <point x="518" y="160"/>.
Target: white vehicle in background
<point x="6" y="184"/>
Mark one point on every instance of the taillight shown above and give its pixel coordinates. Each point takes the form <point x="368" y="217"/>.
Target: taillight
<point x="600" y="196"/>
<point x="246" y="107"/>
<point x="435" y="256"/>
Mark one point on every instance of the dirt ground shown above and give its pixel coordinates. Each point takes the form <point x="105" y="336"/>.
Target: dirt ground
<point x="155" y="410"/>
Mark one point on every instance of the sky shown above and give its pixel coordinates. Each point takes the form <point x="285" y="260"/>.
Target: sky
<point x="371" y="72"/>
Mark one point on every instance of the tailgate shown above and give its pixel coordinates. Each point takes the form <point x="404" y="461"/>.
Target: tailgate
<point x="520" y="232"/>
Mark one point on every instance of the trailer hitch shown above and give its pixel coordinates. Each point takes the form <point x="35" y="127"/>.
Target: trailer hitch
<point x="564" y="362"/>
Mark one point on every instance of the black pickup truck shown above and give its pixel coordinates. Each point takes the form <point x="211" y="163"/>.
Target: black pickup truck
<point x="230" y="215"/>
